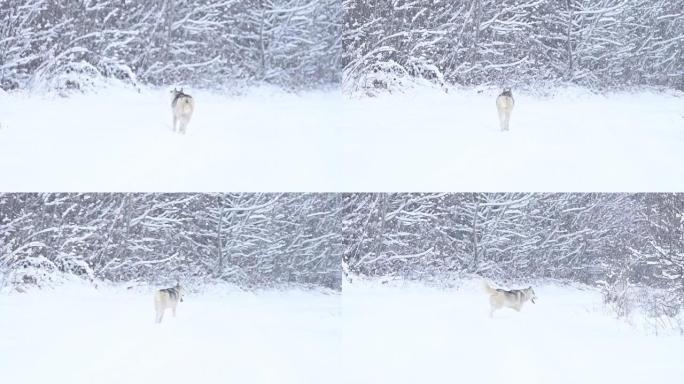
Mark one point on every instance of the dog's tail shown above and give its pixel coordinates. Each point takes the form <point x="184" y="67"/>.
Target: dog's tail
<point x="188" y="101"/>
<point x="188" y="105"/>
<point x="487" y="287"/>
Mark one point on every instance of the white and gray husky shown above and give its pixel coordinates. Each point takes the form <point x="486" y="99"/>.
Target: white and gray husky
<point x="182" y="106"/>
<point x="504" y="105"/>
<point x="499" y="298"/>
<point x="167" y="298"/>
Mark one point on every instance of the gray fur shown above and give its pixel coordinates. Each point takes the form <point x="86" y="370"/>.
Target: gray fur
<point x="182" y="107"/>
<point x="514" y="299"/>
<point x="504" y="107"/>
<point x="167" y="298"/>
<point x="177" y="95"/>
<point x="506" y="92"/>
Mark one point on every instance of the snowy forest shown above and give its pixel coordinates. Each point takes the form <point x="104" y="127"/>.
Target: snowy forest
<point x="366" y="44"/>
<point x="250" y="240"/>
<point x="595" y="43"/>
<point x="205" y="43"/>
<point x="589" y="238"/>
<point x="261" y="240"/>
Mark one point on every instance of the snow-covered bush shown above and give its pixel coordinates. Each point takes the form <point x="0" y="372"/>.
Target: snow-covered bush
<point x="32" y="271"/>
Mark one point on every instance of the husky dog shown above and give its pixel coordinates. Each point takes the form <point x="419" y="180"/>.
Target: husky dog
<point x="182" y="106"/>
<point x="504" y="104"/>
<point x="499" y="298"/>
<point x="167" y="298"/>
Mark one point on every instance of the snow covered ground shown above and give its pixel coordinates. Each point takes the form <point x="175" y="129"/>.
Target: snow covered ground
<point x="426" y="140"/>
<point x="370" y="334"/>
<point x="266" y="140"/>
<point x="414" y="334"/>
<point x="75" y="335"/>
<point x="120" y="140"/>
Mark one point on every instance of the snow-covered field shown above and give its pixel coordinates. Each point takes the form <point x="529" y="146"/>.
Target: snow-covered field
<point x="75" y="335"/>
<point x="119" y="140"/>
<point x="414" y="334"/>
<point x="267" y="140"/>
<point x="370" y="334"/>
<point x="426" y="140"/>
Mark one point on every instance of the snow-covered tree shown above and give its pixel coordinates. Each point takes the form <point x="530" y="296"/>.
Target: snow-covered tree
<point x="597" y="43"/>
<point x="589" y="238"/>
<point x="207" y="43"/>
<point x="250" y="239"/>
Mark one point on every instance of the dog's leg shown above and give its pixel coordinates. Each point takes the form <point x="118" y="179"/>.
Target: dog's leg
<point x="184" y="125"/>
<point x="157" y="309"/>
<point x="492" y="307"/>
<point x="507" y="119"/>
<point x="502" y="120"/>
<point x="160" y="315"/>
<point x="173" y="310"/>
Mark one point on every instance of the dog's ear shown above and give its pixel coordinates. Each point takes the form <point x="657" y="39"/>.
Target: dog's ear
<point x="181" y="89"/>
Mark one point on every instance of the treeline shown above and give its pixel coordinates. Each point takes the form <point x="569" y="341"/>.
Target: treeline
<point x="299" y="43"/>
<point x="589" y="238"/>
<point x="74" y="44"/>
<point x="252" y="240"/>
<point x="268" y="240"/>
<point x="595" y="43"/>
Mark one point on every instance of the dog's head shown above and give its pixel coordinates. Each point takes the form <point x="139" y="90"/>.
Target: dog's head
<point x="175" y="93"/>
<point x="531" y="294"/>
<point x="506" y="91"/>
